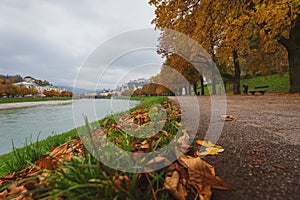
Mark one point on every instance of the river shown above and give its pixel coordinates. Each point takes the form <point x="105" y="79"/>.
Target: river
<point x="21" y="123"/>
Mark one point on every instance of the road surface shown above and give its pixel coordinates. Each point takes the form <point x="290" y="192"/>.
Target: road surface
<point x="262" y="146"/>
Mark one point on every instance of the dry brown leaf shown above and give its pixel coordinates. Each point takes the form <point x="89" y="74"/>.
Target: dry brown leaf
<point x="173" y="184"/>
<point x="280" y="166"/>
<point x="46" y="163"/>
<point x="159" y="159"/>
<point x="23" y="197"/>
<point x="201" y="173"/>
<point x="105" y="122"/>
<point x="229" y="117"/>
<point x="256" y="160"/>
<point x="183" y="144"/>
<point x="165" y="133"/>
<point x="59" y="151"/>
<point x="14" y="189"/>
<point x="3" y="194"/>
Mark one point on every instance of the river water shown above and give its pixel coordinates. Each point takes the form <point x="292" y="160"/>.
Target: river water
<point x="19" y="124"/>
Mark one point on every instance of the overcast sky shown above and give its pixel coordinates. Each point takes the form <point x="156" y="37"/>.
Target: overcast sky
<point x="51" y="39"/>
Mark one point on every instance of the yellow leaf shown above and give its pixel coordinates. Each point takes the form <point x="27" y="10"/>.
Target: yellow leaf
<point x="212" y="152"/>
<point x="219" y="150"/>
<point x="208" y="144"/>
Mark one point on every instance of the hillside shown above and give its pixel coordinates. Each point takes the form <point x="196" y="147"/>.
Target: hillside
<point x="17" y="86"/>
<point x="276" y="83"/>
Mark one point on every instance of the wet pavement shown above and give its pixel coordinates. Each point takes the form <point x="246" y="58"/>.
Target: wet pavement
<point x="262" y="146"/>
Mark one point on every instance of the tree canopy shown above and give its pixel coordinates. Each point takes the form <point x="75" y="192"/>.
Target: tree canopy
<point x="237" y="33"/>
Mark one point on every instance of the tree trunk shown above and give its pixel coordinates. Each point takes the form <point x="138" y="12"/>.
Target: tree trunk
<point x="237" y="73"/>
<point x="213" y="85"/>
<point x="195" y="88"/>
<point x="202" y="85"/>
<point x="294" y="70"/>
<point x="293" y="48"/>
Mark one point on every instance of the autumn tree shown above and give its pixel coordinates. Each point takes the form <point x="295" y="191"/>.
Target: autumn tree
<point x="279" y="20"/>
<point x="51" y="93"/>
<point x="176" y="15"/>
<point x="66" y="93"/>
<point x="186" y="69"/>
<point x="211" y="23"/>
<point x="230" y="27"/>
<point x="152" y="89"/>
<point x="2" y="89"/>
<point x="171" y="79"/>
<point x="127" y="92"/>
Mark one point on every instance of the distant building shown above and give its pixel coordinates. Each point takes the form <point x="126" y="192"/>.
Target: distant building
<point x="133" y="84"/>
<point x="26" y="84"/>
<point x="29" y="79"/>
<point x="40" y="89"/>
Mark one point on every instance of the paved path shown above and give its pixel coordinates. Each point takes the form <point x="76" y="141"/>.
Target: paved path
<point x="262" y="154"/>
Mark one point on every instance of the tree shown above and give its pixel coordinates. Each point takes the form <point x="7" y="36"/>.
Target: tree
<point x="2" y="89"/>
<point x="279" y="20"/>
<point x="152" y="89"/>
<point x="185" y="68"/>
<point x="25" y="91"/>
<point x="66" y="93"/>
<point x="229" y="27"/>
<point x="127" y="92"/>
<point x="204" y="21"/>
<point x="11" y="90"/>
<point x="51" y="93"/>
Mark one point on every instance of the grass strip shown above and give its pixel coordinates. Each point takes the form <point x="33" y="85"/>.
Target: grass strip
<point x="20" y="100"/>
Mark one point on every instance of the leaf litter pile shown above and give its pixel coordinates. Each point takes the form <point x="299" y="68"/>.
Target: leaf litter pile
<point x="69" y="171"/>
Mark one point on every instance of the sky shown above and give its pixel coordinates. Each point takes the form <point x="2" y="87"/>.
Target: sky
<point x="57" y="40"/>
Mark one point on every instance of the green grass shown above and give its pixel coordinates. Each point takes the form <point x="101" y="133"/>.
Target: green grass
<point x="18" y="100"/>
<point x="277" y="83"/>
<point x="21" y="157"/>
<point x="84" y="177"/>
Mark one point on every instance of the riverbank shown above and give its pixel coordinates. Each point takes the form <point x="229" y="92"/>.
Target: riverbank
<point x="33" y="104"/>
<point x="33" y="99"/>
<point x="69" y="171"/>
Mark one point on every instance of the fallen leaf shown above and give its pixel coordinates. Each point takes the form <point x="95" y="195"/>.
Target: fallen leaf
<point x="173" y="184"/>
<point x="229" y="117"/>
<point x="159" y="159"/>
<point x="208" y="144"/>
<point x="211" y="149"/>
<point x="14" y="189"/>
<point x="105" y="122"/>
<point x="3" y="194"/>
<point x="280" y="166"/>
<point x="201" y="173"/>
<point x="211" y="152"/>
<point x="46" y="163"/>
<point x="165" y="133"/>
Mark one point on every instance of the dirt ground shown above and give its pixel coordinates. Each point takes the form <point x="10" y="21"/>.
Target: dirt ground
<point x="262" y="154"/>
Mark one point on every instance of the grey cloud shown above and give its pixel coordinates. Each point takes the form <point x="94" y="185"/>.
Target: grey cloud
<point x="51" y="39"/>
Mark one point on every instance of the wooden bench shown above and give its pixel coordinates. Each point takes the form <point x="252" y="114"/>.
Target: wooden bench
<point x="260" y="89"/>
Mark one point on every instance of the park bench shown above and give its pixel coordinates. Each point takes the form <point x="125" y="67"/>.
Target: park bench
<point x="261" y="89"/>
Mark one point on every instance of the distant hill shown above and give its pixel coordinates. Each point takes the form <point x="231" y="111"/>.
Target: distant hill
<point x="7" y="79"/>
<point x="77" y="91"/>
